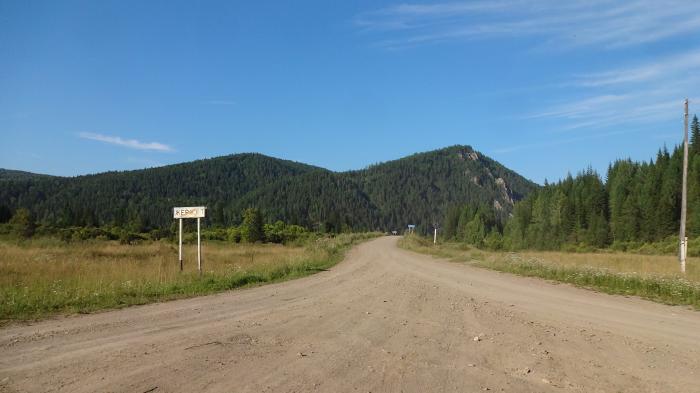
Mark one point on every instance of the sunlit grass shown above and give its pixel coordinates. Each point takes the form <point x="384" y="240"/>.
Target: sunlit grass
<point x="45" y="276"/>
<point x="655" y="277"/>
<point x="619" y="262"/>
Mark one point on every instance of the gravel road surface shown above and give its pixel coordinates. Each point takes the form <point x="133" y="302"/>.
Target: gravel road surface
<point x="383" y="320"/>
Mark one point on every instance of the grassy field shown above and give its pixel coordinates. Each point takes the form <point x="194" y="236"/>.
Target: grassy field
<point x="653" y="277"/>
<point x="46" y="276"/>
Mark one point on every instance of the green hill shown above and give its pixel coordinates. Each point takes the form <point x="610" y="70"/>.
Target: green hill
<point x="9" y="174"/>
<point x="417" y="189"/>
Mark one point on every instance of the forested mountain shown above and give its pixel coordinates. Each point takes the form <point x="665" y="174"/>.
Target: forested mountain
<point x="418" y="189"/>
<point x="422" y="187"/>
<point x="144" y="199"/>
<point x="636" y="203"/>
<point x="8" y="174"/>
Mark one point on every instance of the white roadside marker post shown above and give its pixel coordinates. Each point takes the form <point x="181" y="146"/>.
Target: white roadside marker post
<point x="181" y="267"/>
<point x="199" y="249"/>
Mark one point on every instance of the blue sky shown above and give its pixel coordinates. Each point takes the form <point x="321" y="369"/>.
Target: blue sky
<point x="545" y="87"/>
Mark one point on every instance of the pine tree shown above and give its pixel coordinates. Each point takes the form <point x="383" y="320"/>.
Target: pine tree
<point x="695" y="136"/>
<point x="668" y="208"/>
<point x="5" y="214"/>
<point x="622" y="200"/>
<point x="650" y="179"/>
<point x="451" y="223"/>
<point x="476" y="231"/>
<point x="694" y="196"/>
<point x="252" y="229"/>
<point x="22" y="223"/>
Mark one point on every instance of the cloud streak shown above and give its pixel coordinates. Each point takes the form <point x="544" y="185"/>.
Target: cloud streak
<point x="650" y="90"/>
<point x="680" y="65"/>
<point x="129" y="143"/>
<point x="641" y="93"/>
<point x="564" y="24"/>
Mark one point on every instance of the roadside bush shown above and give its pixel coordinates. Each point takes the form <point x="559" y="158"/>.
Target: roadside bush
<point x="127" y="237"/>
<point x="74" y="234"/>
<point x="233" y="234"/>
<point x="160" y="233"/>
<point x="494" y="241"/>
<point x="274" y="233"/>
<point x="214" y="234"/>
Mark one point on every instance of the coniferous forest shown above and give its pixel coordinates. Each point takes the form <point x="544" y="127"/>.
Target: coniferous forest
<point x="636" y="203"/>
<point x="471" y="198"/>
<point x="418" y="189"/>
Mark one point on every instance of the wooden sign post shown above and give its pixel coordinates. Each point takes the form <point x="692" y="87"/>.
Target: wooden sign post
<point x="191" y="212"/>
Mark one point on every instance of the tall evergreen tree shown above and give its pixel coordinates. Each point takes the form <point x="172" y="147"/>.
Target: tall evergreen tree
<point x="22" y="223"/>
<point x="252" y="229"/>
<point x="668" y="208"/>
<point x="695" y="135"/>
<point x="622" y="201"/>
<point x="5" y="214"/>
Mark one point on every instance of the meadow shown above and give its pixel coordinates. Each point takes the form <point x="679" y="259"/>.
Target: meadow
<point x="654" y="277"/>
<point x="40" y="277"/>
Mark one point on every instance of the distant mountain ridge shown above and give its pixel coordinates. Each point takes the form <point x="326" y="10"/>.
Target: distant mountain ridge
<point x="11" y="174"/>
<point x="417" y="189"/>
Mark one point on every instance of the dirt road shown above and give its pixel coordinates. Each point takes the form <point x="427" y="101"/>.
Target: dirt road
<point x="383" y="320"/>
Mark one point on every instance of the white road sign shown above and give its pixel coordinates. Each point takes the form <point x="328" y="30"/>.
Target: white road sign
<point x="189" y="212"/>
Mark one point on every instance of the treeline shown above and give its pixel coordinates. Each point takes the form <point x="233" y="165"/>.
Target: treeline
<point x="637" y="203"/>
<point x="413" y="190"/>
<point x="252" y="229"/>
<point x="142" y="200"/>
<point x="477" y="225"/>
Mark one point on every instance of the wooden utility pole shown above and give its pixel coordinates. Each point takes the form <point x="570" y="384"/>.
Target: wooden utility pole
<point x="683" y="252"/>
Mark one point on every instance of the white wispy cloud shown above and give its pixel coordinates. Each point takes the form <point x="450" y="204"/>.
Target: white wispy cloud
<point x="652" y="90"/>
<point x="637" y="92"/>
<point x="573" y="23"/>
<point x="604" y="111"/>
<point x="129" y="143"/>
<point x="672" y="67"/>
<point x="581" y="108"/>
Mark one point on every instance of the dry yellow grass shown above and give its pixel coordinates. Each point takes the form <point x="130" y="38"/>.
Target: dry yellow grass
<point x="618" y="262"/>
<point x="45" y="276"/>
<point x="651" y="276"/>
<point x="103" y="263"/>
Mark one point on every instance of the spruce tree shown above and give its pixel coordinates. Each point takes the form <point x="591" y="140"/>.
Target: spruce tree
<point x="252" y="229"/>
<point x="22" y="223"/>
<point x="668" y="208"/>
<point x="476" y="231"/>
<point x="694" y="136"/>
<point x="694" y="197"/>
